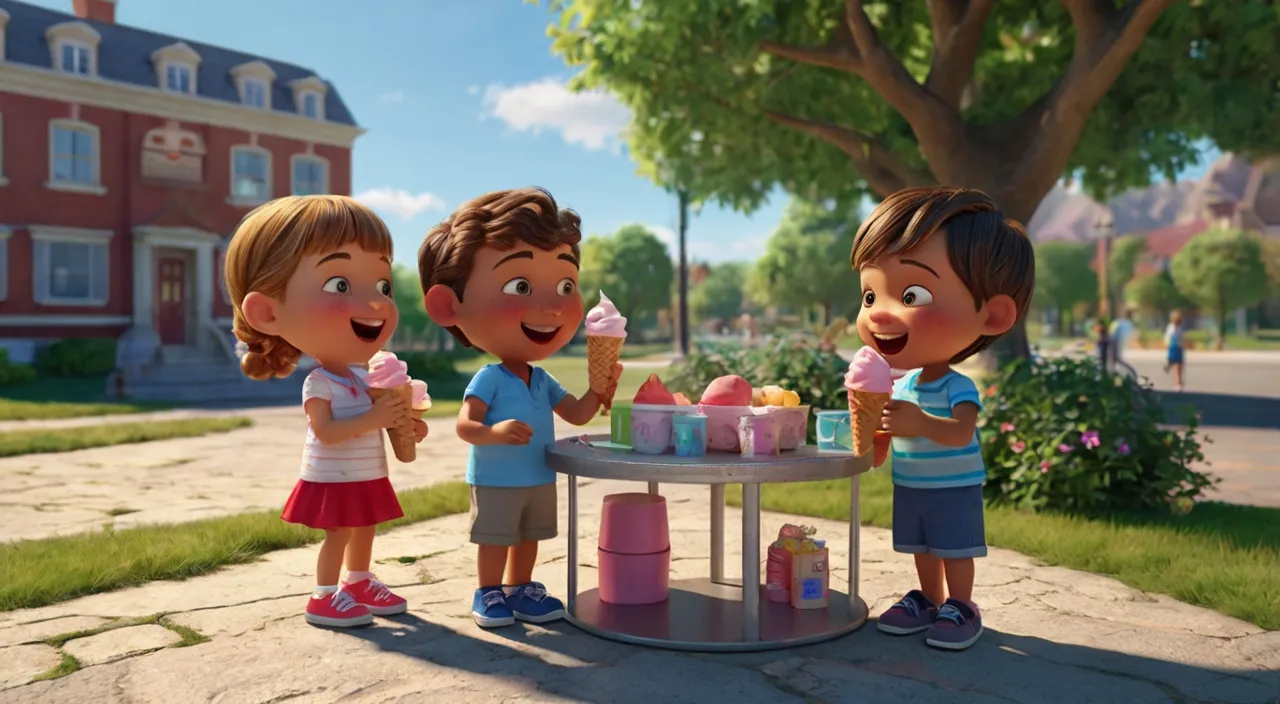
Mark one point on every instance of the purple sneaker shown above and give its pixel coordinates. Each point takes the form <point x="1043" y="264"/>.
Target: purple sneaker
<point x="957" y="627"/>
<point x="912" y="614"/>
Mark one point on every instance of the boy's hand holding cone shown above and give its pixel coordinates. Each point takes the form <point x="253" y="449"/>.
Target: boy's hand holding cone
<point x="606" y="333"/>
<point x="869" y="382"/>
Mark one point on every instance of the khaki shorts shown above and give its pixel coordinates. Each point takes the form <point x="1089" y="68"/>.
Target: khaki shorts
<point x="507" y="515"/>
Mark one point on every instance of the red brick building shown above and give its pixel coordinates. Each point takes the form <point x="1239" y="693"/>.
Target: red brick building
<point x="126" y="160"/>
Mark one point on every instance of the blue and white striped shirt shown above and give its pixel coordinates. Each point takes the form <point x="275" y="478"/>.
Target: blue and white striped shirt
<point x="922" y="463"/>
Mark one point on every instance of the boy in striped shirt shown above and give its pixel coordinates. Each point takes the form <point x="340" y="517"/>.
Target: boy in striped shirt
<point x="944" y="274"/>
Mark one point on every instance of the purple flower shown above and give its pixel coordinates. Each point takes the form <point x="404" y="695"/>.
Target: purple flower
<point x="1044" y="467"/>
<point x="1064" y="448"/>
<point x="1006" y="427"/>
<point x="1124" y="449"/>
<point x="1017" y="446"/>
<point x="1089" y="438"/>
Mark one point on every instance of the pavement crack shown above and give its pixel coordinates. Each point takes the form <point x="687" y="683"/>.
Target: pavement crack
<point x="1175" y="695"/>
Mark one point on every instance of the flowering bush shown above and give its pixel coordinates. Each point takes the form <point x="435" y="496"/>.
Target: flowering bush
<point x="1060" y="434"/>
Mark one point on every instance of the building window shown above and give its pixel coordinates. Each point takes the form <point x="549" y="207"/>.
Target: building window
<point x="253" y="93"/>
<point x="250" y="175"/>
<point x="311" y="105"/>
<point x="310" y="176"/>
<point x="76" y="57"/>
<point x="73" y="156"/>
<point x="3" y="181"/>
<point x="177" y="78"/>
<point x="70" y="266"/>
<point x="4" y="263"/>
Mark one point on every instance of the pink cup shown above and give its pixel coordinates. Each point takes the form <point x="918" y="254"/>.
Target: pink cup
<point x="634" y="524"/>
<point x="634" y="579"/>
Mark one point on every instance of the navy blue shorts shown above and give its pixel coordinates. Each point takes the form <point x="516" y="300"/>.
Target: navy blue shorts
<point x="1175" y="355"/>
<point x="945" y="523"/>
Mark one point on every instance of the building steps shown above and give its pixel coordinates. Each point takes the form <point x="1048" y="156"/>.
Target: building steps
<point x="190" y="376"/>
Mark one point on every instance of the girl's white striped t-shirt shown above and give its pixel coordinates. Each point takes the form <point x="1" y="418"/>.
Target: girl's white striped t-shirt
<point x="359" y="459"/>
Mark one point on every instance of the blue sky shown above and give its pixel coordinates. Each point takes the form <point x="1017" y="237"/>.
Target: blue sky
<point x="458" y="98"/>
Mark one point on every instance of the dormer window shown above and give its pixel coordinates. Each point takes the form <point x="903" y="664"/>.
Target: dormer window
<point x="74" y="48"/>
<point x="308" y="97"/>
<point x="4" y="24"/>
<point x="176" y="67"/>
<point x="254" y="81"/>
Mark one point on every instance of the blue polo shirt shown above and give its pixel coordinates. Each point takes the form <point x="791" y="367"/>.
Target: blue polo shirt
<point x="508" y="398"/>
<point x="921" y="463"/>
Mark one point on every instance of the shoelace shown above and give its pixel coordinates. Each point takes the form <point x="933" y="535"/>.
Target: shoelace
<point x="493" y="598"/>
<point x="536" y="592"/>
<point x="380" y="590"/>
<point x="952" y="614"/>
<point x="910" y="605"/>
<point x="342" y="601"/>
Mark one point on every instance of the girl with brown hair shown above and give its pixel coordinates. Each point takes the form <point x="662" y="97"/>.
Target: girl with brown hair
<point x="312" y="275"/>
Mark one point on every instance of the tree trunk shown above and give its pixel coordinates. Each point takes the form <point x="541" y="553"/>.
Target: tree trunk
<point x="683" y="273"/>
<point x="1222" y="323"/>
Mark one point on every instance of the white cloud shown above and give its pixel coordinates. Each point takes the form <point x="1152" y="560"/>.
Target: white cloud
<point x="592" y="119"/>
<point x="391" y="98"/>
<point x="666" y="234"/>
<point x="473" y="90"/>
<point x="400" y="202"/>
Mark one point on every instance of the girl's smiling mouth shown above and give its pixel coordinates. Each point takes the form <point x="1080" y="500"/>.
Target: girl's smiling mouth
<point x="890" y="344"/>
<point x="367" y="329"/>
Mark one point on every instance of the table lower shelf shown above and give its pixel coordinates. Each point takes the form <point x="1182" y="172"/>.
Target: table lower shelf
<point x="705" y="617"/>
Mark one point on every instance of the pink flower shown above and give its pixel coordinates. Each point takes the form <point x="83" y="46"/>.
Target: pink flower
<point x="1018" y="446"/>
<point x="1089" y="438"/>
<point x="991" y="390"/>
<point x="1044" y="467"/>
<point x="1064" y="448"/>
<point x="1124" y="449"/>
<point x="1006" y="427"/>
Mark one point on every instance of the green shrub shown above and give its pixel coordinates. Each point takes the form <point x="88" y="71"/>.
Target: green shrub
<point x="12" y="374"/>
<point x="82" y="357"/>
<point x="1061" y="435"/>
<point x="430" y="366"/>
<point x="798" y="363"/>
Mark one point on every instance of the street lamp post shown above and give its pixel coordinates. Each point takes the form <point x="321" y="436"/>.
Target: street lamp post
<point x="1106" y="230"/>
<point x="682" y="318"/>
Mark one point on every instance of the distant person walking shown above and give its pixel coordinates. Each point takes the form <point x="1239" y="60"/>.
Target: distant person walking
<point x="1122" y="330"/>
<point x="1173" y="343"/>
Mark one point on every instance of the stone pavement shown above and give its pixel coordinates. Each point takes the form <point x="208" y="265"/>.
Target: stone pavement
<point x="1053" y="635"/>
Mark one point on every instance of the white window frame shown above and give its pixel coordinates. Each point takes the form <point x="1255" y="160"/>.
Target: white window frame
<point x="91" y="56"/>
<point x="250" y="201"/>
<point x="178" y="67"/>
<point x="3" y="181"/>
<point x="95" y="187"/>
<point x="4" y="24"/>
<point x="319" y="104"/>
<point x="4" y="262"/>
<point x="247" y="81"/>
<point x="320" y="161"/>
<point x="42" y="286"/>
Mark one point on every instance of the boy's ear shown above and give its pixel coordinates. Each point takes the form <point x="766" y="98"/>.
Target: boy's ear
<point x="260" y="312"/>
<point x="1002" y="313"/>
<point x="442" y="305"/>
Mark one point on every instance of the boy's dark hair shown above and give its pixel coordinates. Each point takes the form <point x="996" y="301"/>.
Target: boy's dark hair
<point x="501" y="219"/>
<point x="990" y="253"/>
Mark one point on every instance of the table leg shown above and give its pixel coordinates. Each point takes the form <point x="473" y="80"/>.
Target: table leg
<point x="855" y="541"/>
<point x="717" y="533"/>
<point x="751" y="563"/>
<point x="653" y="488"/>
<point x="571" y="556"/>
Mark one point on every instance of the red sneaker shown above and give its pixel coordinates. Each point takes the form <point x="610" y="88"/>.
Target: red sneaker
<point x="338" y="610"/>
<point x="376" y="597"/>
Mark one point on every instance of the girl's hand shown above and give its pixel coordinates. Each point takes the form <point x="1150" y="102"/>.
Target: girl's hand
<point x="388" y="411"/>
<point x="419" y="430"/>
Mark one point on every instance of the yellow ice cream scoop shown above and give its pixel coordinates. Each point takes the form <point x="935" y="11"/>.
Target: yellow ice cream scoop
<point x="772" y="395"/>
<point x="790" y="399"/>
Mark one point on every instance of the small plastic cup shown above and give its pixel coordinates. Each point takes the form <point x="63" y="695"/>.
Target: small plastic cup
<point x="690" y="434"/>
<point x="620" y="425"/>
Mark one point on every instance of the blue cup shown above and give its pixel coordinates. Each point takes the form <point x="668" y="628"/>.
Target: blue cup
<point x="834" y="431"/>
<point x="690" y="434"/>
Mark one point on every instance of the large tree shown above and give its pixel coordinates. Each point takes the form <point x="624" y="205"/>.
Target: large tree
<point x="632" y="267"/>
<point x="721" y="294"/>
<point x="839" y="99"/>
<point x="806" y="260"/>
<point x="1155" y="293"/>
<point x="1222" y="270"/>
<point x="1126" y="252"/>
<point x="1064" y="278"/>
<point x="414" y="321"/>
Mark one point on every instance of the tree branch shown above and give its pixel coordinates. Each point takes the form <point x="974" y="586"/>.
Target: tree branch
<point x="884" y="171"/>
<point x="886" y="74"/>
<point x="957" y="37"/>
<point x="839" y="52"/>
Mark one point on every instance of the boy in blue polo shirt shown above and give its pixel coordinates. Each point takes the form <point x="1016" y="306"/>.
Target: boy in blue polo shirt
<point x="501" y="274"/>
<point x="944" y="275"/>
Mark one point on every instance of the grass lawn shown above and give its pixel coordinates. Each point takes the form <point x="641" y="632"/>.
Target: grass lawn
<point x="26" y="442"/>
<point x="53" y="399"/>
<point x="41" y="572"/>
<point x="1220" y="556"/>
<point x="57" y="410"/>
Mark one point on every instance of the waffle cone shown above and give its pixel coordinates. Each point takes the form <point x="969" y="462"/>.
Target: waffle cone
<point x="864" y="415"/>
<point x="403" y="441"/>
<point x="602" y="353"/>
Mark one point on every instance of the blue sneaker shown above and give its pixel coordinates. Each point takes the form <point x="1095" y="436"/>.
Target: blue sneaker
<point x="530" y="602"/>
<point x="489" y="608"/>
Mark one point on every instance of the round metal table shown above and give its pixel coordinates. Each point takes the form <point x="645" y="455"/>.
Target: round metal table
<point x="716" y="614"/>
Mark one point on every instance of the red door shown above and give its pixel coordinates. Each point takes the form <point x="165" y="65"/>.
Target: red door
<point x="171" y="309"/>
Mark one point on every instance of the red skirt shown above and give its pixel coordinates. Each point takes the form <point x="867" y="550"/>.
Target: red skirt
<point x="342" y="504"/>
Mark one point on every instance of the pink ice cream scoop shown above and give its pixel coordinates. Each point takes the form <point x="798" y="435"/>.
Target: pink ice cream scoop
<point x="387" y="372"/>
<point x="605" y="320"/>
<point x="421" y="400"/>
<point x="869" y="371"/>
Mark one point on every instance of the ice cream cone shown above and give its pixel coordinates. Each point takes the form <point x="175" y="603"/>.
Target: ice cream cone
<point x="602" y="353"/>
<point x="403" y="440"/>
<point x="864" y="415"/>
